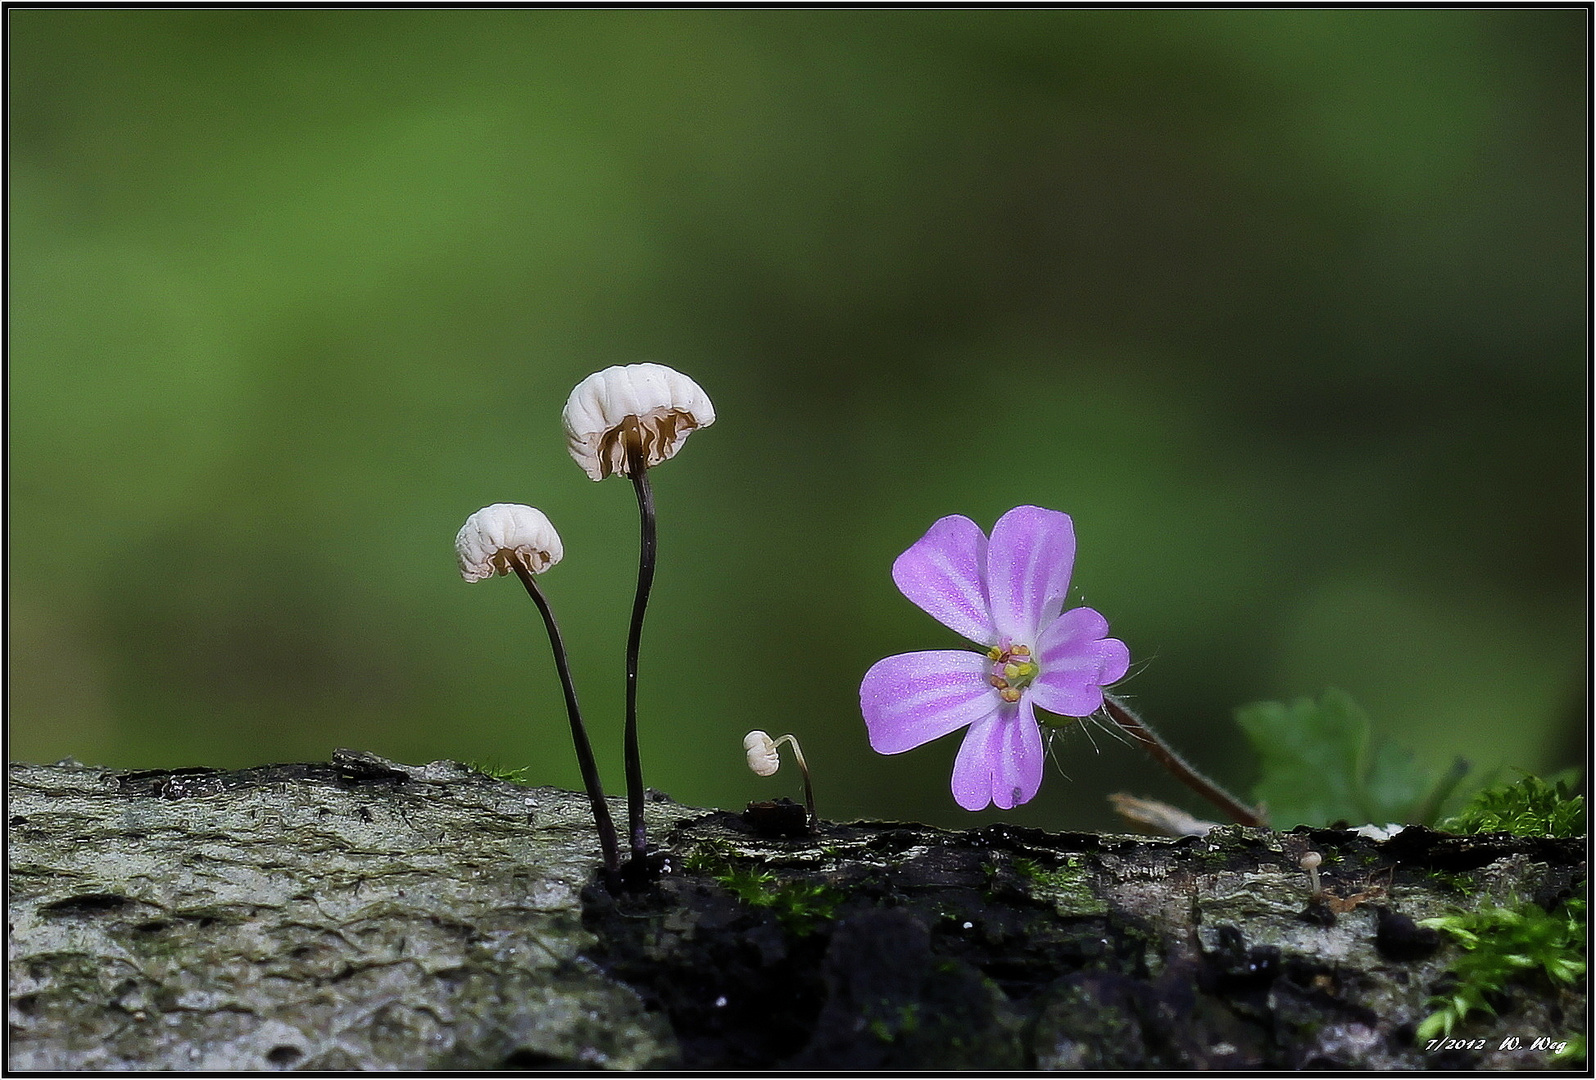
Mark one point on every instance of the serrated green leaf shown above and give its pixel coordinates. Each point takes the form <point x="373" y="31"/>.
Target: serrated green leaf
<point x="1310" y="754"/>
<point x="1394" y="785"/>
<point x="1320" y="764"/>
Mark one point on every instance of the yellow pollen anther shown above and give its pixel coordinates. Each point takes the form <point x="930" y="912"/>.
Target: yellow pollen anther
<point x="1008" y="693"/>
<point x="995" y="653"/>
<point x="997" y="681"/>
<point x="1011" y="670"/>
<point x="1022" y="650"/>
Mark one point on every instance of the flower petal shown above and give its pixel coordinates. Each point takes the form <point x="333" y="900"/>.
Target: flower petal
<point x="1028" y="570"/>
<point x="1077" y="661"/>
<point x="913" y="698"/>
<point x="1000" y="761"/>
<point x="944" y="572"/>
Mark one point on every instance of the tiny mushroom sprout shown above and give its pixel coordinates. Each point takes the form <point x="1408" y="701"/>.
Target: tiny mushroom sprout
<point x="1311" y="863"/>
<point x="510" y="538"/>
<point x="623" y="421"/>
<point x="764" y="758"/>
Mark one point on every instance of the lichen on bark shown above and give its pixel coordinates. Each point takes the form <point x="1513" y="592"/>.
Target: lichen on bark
<point x="356" y="915"/>
<point x="368" y="915"/>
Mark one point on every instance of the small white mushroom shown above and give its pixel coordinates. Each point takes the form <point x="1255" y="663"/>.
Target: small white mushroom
<point x="762" y="756"/>
<point x="764" y="760"/>
<point x="1310" y="862"/>
<point x="510" y="538"/>
<point x="656" y="405"/>
<point x="625" y="420"/>
<point x="497" y="538"/>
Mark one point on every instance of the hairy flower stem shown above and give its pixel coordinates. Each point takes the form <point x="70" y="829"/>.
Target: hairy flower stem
<point x="584" y="749"/>
<point x="1165" y="755"/>
<point x="637" y="466"/>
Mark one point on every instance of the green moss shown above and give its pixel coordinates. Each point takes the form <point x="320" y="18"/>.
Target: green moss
<point x="499" y="772"/>
<point x="1501" y="945"/>
<point x="798" y="905"/>
<point x="905" y="1021"/>
<point x="752" y="887"/>
<point x="712" y="858"/>
<point x="1462" y="884"/>
<point x="1067" y="887"/>
<point x="1215" y="859"/>
<point x="1031" y="870"/>
<point x="1530" y="807"/>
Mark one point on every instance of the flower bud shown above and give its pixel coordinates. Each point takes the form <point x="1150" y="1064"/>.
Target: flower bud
<point x="660" y="404"/>
<point x="496" y="538"/>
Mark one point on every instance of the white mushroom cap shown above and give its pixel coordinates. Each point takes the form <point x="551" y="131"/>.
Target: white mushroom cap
<point x="497" y="537"/>
<point x="762" y="756"/>
<point x="666" y="405"/>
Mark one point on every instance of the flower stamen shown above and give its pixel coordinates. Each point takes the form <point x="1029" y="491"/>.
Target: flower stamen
<point x="1012" y="669"/>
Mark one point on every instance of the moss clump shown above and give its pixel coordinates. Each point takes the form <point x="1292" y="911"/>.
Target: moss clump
<point x="1462" y="884"/>
<point x="1530" y="807"/>
<point x="501" y="772"/>
<point x="798" y="905"/>
<point x="905" y="1021"/>
<point x="711" y="858"/>
<point x="1503" y="944"/>
<point x="1067" y="887"/>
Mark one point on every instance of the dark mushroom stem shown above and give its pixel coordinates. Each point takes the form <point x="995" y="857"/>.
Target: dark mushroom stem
<point x="637" y="467"/>
<point x="1165" y="755"/>
<point x="809" y="791"/>
<point x="584" y="749"/>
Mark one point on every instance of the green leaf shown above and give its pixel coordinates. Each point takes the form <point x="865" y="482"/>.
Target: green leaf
<point x="1320" y="764"/>
<point x="1394" y="785"/>
<point x="1310" y="755"/>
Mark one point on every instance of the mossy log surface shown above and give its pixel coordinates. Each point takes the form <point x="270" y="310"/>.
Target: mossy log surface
<point x="362" y="914"/>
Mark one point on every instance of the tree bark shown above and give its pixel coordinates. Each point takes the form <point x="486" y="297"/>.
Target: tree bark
<point x="368" y="915"/>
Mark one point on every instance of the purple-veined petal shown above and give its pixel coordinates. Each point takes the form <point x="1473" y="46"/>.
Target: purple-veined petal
<point x="1028" y="570"/>
<point x="912" y="698"/>
<point x="1077" y="661"/>
<point x="944" y="572"/>
<point x="1000" y="761"/>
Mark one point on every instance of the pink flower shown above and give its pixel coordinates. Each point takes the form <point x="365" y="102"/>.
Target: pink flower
<point x="1008" y="597"/>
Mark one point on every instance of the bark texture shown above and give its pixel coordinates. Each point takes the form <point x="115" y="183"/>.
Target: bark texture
<point x="362" y="914"/>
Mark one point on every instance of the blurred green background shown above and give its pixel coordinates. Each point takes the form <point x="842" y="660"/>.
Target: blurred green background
<point x="1285" y="308"/>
